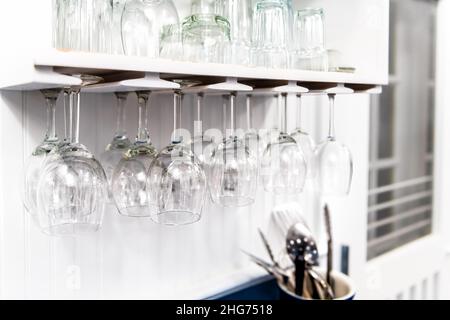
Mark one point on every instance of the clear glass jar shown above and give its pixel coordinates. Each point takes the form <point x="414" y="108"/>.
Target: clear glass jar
<point x="239" y="14"/>
<point x="309" y="51"/>
<point x="206" y="38"/>
<point x="142" y="22"/>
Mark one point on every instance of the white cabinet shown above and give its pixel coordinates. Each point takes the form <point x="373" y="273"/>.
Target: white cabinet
<point x="134" y="258"/>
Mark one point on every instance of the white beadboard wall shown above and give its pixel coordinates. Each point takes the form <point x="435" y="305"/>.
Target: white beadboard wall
<point x="134" y="258"/>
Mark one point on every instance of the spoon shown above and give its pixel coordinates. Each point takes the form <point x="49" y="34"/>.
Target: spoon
<point x="302" y="250"/>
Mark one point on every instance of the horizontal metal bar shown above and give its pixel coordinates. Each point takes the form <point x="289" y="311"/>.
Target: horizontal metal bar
<point x="401" y="185"/>
<point x="399" y="233"/>
<point x="402" y="200"/>
<point x="383" y="163"/>
<point x="401" y="216"/>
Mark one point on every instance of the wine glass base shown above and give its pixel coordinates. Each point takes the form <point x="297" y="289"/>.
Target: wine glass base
<point x="229" y="201"/>
<point x="176" y="218"/>
<point x="135" y="212"/>
<point x="69" y="229"/>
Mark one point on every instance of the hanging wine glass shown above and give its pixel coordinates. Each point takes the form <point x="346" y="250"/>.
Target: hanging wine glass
<point x="35" y="163"/>
<point x="72" y="190"/>
<point x="252" y="139"/>
<point x="120" y="142"/>
<point x="129" y="181"/>
<point x="304" y="141"/>
<point x="176" y="180"/>
<point x="283" y="167"/>
<point x="270" y="135"/>
<point x="234" y="170"/>
<point x="202" y="145"/>
<point x="334" y="162"/>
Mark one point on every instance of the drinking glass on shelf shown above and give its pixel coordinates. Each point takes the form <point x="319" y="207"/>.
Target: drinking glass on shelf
<point x="73" y="189"/>
<point x="304" y="141"/>
<point x="239" y="15"/>
<point x="176" y="180"/>
<point x="35" y="163"/>
<point x="206" y="38"/>
<point x="100" y="19"/>
<point x="116" y="26"/>
<point x="120" y="143"/>
<point x="234" y="170"/>
<point x="142" y="22"/>
<point x="84" y="25"/>
<point x="334" y="162"/>
<point x="171" y="45"/>
<point x="283" y="166"/>
<point x="270" y="40"/>
<point x="309" y="52"/>
<point x="129" y="181"/>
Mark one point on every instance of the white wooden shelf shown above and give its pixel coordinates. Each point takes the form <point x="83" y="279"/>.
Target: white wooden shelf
<point x="116" y="69"/>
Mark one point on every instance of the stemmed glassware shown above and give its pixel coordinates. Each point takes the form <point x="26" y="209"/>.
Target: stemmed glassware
<point x="234" y="170"/>
<point x="252" y="139"/>
<point x="142" y="22"/>
<point x="73" y="189"/>
<point x="120" y="142"/>
<point x="176" y="180"/>
<point x="283" y="166"/>
<point x="304" y="141"/>
<point x="334" y="162"/>
<point x="129" y="181"/>
<point x="36" y="161"/>
<point x="202" y="145"/>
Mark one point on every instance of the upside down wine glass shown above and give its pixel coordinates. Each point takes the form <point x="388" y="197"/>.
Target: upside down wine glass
<point x="176" y="180"/>
<point x="304" y="141"/>
<point x="72" y="190"/>
<point x="283" y="167"/>
<point x="334" y="162"/>
<point x="234" y="170"/>
<point x="129" y="182"/>
<point x="202" y="145"/>
<point x="120" y="142"/>
<point x="36" y="161"/>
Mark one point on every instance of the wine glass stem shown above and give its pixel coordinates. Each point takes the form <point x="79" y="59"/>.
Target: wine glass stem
<point x="249" y="115"/>
<point x="121" y="100"/>
<point x="74" y="115"/>
<point x="278" y="97"/>
<point x="143" y="135"/>
<point x="283" y="113"/>
<point x="232" y="101"/>
<point x="177" y="101"/>
<point x="199" y="131"/>
<point x="66" y="96"/>
<point x="224" y="115"/>
<point x="50" y="134"/>
<point x="299" y="112"/>
<point x="331" y="132"/>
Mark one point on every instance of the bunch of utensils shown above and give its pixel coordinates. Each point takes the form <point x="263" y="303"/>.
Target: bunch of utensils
<point x="301" y="247"/>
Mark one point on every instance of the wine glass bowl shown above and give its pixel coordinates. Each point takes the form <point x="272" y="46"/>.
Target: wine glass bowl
<point x="233" y="174"/>
<point x="129" y="182"/>
<point x="283" y="167"/>
<point x="177" y="186"/>
<point x="336" y="168"/>
<point x="72" y="193"/>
